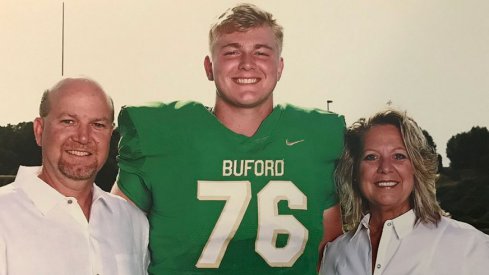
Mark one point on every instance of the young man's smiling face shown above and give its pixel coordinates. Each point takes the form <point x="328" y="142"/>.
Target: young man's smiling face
<point x="245" y="66"/>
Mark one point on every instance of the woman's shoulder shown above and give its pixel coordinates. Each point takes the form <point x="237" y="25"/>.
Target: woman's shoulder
<point x="455" y="237"/>
<point x="465" y="243"/>
<point x="344" y="243"/>
<point x="345" y="254"/>
<point x="448" y="225"/>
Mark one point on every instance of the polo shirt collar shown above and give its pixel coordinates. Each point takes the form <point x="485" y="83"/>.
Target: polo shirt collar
<point x="100" y="195"/>
<point x="43" y="195"/>
<point x="403" y="225"/>
<point x="39" y="192"/>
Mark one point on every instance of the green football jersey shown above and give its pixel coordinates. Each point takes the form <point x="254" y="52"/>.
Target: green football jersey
<point x="223" y="203"/>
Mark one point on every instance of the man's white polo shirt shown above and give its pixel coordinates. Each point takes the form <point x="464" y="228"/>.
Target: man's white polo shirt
<point x="43" y="232"/>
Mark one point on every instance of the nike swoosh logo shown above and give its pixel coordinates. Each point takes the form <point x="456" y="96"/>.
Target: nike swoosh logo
<point x="291" y="143"/>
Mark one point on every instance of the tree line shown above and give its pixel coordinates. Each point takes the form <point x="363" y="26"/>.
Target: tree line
<point x="18" y="147"/>
<point x="466" y="151"/>
<point x="462" y="190"/>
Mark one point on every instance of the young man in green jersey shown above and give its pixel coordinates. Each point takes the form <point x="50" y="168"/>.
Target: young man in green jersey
<point x="240" y="188"/>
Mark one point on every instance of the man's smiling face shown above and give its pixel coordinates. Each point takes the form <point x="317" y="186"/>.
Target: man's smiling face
<point x="75" y="135"/>
<point x="245" y="66"/>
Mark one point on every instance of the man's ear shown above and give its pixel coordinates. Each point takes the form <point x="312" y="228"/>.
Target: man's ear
<point x="280" y="68"/>
<point x="38" y="126"/>
<point x="208" y="68"/>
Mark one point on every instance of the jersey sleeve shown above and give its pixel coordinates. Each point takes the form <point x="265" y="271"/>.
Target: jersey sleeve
<point x="131" y="160"/>
<point x="335" y="125"/>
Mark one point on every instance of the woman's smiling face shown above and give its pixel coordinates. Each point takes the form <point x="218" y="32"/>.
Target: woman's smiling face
<point x="386" y="173"/>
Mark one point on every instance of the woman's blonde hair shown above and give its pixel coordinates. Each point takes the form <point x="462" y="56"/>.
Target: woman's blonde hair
<point x="423" y="158"/>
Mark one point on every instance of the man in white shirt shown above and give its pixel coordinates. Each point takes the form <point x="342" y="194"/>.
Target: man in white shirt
<point x="54" y="219"/>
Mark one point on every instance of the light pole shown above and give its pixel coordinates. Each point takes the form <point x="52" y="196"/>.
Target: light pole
<point x="327" y="104"/>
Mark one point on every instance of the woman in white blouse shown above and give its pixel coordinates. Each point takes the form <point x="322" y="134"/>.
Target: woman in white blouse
<point x="386" y="182"/>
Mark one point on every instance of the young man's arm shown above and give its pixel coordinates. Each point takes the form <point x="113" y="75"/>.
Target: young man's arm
<point x="332" y="228"/>
<point x="117" y="191"/>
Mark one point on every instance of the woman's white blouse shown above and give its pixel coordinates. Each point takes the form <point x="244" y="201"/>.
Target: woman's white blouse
<point x="452" y="247"/>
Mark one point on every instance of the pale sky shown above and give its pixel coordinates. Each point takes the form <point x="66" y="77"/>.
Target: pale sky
<point x="430" y="58"/>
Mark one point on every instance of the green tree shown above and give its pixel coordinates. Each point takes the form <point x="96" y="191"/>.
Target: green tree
<point x="24" y="144"/>
<point x="432" y="143"/>
<point x="470" y="150"/>
<point x="18" y="147"/>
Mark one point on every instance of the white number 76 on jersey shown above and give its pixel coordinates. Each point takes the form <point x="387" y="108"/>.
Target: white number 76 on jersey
<point x="237" y="195"/>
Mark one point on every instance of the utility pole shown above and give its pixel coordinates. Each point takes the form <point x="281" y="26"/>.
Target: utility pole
<point x="63" y="39"/>
<point x="327" y="104"/>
